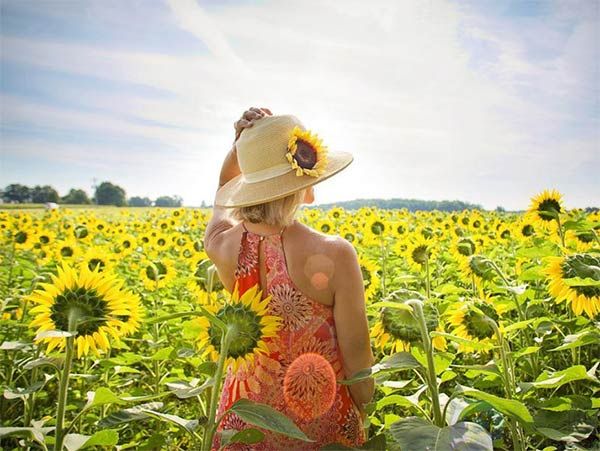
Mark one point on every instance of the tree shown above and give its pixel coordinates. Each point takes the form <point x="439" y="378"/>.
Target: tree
<point x="76" y="196"/>
<point x="16" y="193"/>
<point x="168" y="201"/>
<point x="43" y="194"/>
<point x="109" y="194"/>
<point x="137" y="201"/>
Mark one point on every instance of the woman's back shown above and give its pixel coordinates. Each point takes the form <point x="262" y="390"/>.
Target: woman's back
<point x="296" y="267"/>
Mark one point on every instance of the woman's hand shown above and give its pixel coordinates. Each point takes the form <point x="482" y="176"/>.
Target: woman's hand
<point x="248" y="118"/>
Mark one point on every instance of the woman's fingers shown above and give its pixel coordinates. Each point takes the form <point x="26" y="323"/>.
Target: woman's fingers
<point x="268" y="111"/>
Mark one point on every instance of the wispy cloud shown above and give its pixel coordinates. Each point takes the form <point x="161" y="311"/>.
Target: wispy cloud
<point x="435" y="100"/>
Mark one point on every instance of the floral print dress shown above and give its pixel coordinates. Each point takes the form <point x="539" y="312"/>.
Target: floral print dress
<point x="307" y="327"/>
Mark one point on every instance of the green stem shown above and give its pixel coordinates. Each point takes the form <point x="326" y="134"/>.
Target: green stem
<point x="30" y="404"/>
<point x="560" y="231"/>
<point x="509" y="384"/>
<point x="64" y="384"/>
<point x="211" y="425"/>
<point x="383" y="260"/>
<point x="431" y="374"/>
<point x="427" y="280"/>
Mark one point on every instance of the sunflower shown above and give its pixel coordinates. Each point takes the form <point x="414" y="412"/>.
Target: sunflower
<point x="581" y="240"/>
<point x="198" y="282"/>
<point x="477" y="269"/>
<point x="326" y="226"/>
<point x="252" y="324"/>
<point x="525" y="229"/>
<point x="370" y="274"/>
<point x="25" y="237"/>
<point x="419" y="251"/>
<point x="67" y="249"/>
<point x="98" y="257"/>
<point x="546" y="207"/>
<point x="348" y="233"/>
<point x="306" y="153"/>
<point x="467" y="319"/>
<point x="157" y="272"/>
<point x="463" y="247"/>
<point x="125" y="244"/>
<point x="94" y="300"/>
<point x="581" y="295"/>
<point x="399" y="329"/>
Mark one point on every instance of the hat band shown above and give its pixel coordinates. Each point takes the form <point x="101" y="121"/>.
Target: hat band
<point x="268" y="173"/>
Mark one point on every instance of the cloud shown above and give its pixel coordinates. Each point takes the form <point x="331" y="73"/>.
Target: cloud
<point x="404" y="86"/>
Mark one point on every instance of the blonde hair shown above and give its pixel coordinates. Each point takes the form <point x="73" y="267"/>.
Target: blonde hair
<point x="279" y="212"/>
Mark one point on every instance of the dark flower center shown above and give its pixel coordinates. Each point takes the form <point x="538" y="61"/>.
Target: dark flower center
<point x="91" y="310"/>
<point x="247" y="325"/>
<point x="305" y="155"/>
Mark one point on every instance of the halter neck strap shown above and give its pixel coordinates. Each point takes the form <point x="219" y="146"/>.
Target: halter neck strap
<point x="254" y="233"/>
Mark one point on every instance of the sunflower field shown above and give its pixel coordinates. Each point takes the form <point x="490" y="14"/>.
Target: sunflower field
<point x="115" y="330"/>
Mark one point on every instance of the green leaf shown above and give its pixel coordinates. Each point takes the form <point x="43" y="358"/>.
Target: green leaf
<point x="184" y="390"/>
<point x="569" y="402"/>
<point x="490" y="368"/>
<point x="128" y="415"/>
<point x="532" y="274"/>
<point x="550" y="379"/>
<point x="544" y="250"/>
<point x="580" y="282"/>
<point x="417" y="434"/>
<point x="460" y="340"/>
<point x="36" y="433"/>
<point x="441" y="360"/>
<point x="102" y="396"/>
<point x="264" y="416"/>
<point x="510" y="407"/>
<point x="571" y="426"/>
<point x="399" y="361"/>
<point x="583" y="338"/>
<point x="376" y="443"/>
<point x="247" y="436"/>
<point x="163" y="354"/>
<point x="74" y="442"/>
<point x="187" y="425"/>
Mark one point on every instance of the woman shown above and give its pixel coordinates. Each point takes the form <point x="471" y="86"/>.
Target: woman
<point x="314" y="280"/>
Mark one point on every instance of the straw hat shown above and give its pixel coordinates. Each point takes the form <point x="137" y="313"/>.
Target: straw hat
<point x="277" y="157"/>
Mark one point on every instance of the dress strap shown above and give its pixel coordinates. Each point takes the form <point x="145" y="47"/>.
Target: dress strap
<point x="254" y="233"/>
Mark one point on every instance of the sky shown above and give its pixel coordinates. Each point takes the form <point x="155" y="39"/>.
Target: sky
<point x="485" y="101"/>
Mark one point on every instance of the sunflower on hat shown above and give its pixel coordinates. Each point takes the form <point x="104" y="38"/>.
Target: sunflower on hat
<point x="306" y="153"/>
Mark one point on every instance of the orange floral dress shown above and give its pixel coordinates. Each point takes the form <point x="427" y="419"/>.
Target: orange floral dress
<point x="307" y="326"/>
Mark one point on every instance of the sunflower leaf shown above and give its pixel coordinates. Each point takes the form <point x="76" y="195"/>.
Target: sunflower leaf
<point x="398" y="361"/>
<point x="264" y="416"/>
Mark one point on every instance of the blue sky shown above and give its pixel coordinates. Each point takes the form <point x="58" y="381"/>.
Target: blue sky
<point x="484" y="101"/>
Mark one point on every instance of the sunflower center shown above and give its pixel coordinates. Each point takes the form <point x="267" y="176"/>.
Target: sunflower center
<point x="421" y="254"/>
<point x="480" y="267"/>
<point x="94" y="263"/>
<point x="44" y="239"/>
<point x="156" y="271"/>
<point x="548" y="208"/>
<point x="527" y="230"/>
<point x="401" y="324"/>
<point x="20" y="237"/>
<point x="377" y="228"/>
<point x="585" y="237"/>
<point x="366" y="275"/>
<point x="583" y="266"/>
<point x="305" y="155"/>
<point x="66" y="251"/>
<point x="91" y="310"/>
<point x="476" y="324"/>
<point x="247" y="325"/>
<point x="466" y="247"/>
<point x="81" y="232"/>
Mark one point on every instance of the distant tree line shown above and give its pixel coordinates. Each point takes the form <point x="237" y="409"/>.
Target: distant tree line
<point x="409" y="204"/>
<point x="106" y="193"/>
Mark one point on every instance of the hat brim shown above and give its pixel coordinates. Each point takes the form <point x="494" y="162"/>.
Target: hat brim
<point x="238" y="193"/>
